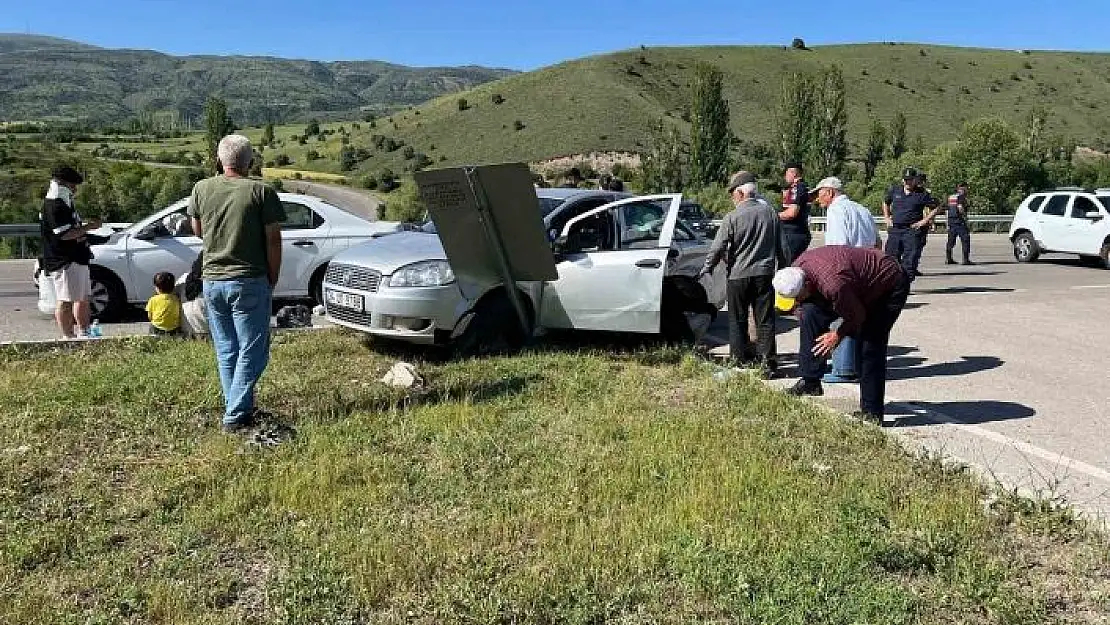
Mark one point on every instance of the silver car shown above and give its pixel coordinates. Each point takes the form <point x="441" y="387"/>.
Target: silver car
<point x="612" y="251"/>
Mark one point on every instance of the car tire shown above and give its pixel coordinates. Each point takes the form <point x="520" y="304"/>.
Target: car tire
<point x="316" y="285"/>
<point x="1104" y="255"/>
<point x="108" y="300"/>
<point x="1092" y="261"/>
<point x="492" y="330"/>
<point x="1026" y="249"/>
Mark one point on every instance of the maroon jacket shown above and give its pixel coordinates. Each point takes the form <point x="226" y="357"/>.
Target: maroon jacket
<point x="852" y="279"/>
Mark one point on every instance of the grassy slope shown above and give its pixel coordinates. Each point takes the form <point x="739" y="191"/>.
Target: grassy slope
<point x="552" y="487"/>
<point x="594" y="104"/>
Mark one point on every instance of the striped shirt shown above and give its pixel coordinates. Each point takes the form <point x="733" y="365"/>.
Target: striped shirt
<point x="851" y="279"/>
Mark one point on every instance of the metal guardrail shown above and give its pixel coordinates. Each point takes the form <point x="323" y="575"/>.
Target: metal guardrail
<point x="818" y="223"/>
<point x="23" y="232"/>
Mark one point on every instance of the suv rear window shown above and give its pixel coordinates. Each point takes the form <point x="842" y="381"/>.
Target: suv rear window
<point x="1105" y="199"/>
<point x="1035" y="203"/>
<point x="1056" y="205"/>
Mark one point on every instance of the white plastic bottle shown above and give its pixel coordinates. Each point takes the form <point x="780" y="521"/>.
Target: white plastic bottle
<point x="94" y="329"/>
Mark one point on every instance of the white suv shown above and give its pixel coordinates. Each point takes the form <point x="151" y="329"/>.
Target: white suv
<point x="1067" y="220"/>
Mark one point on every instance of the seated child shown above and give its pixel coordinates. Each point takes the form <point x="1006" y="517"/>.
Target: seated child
<point x="164" y="309"/>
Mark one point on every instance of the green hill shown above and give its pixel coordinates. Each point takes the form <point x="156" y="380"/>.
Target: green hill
<point x="48" y="78"/>
<point x="607" y="103"/>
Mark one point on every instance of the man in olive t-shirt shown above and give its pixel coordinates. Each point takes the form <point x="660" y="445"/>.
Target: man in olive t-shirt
<point x="240" y="222"/>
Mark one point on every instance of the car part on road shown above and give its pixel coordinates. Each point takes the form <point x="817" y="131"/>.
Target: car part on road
<point x="1026" y="249"/>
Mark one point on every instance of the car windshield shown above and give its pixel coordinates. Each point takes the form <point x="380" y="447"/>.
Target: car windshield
<point x="547" y="204"/>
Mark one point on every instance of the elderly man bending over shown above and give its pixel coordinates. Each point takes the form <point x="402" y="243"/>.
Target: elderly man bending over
<point x="240" y="222"/>
<point x="845" y="291"/>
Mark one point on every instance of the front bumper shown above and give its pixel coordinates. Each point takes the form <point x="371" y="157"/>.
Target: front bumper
<point x="410" y="314"/>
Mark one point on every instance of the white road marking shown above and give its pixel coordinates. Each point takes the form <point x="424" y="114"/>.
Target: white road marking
<point x="1091" y="286"/>
<point x="1090" y="470"/>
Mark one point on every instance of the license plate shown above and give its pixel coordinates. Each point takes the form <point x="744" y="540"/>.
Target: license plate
<point x="343" y="300"/>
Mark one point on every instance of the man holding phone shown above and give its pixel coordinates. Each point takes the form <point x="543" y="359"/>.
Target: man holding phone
<point x="66" y="252"/>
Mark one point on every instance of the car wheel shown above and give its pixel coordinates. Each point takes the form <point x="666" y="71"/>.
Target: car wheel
<point x="1104" y="255"/>
<point x="1091" y="261"/>
<point x="493" y="329"/>
<point x="1025" y="248"/>
<point x="108" y="300"/>
<point x="316" y="285"/>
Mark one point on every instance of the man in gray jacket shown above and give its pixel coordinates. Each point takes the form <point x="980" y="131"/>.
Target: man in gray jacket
<point x="750" y="242"/>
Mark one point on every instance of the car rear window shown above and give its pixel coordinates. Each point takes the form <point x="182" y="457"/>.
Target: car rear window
<point x="1035" y="203"/>
<point x="1105" y="200"/>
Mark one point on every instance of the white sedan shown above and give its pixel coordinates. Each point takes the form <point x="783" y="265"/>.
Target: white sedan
<point x="313" y="232"/>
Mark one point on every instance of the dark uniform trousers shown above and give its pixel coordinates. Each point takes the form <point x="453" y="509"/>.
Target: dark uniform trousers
<point x="905" y="245"/>
<point x="871" y="343"/>
<point x="796" y="243"/>
<point x="756" y="293"/>
<point x="958" y="231"/>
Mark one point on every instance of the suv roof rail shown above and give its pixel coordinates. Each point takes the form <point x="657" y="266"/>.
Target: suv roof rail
<point x="1071" y="189"/>
<point x="1102" y="190"/>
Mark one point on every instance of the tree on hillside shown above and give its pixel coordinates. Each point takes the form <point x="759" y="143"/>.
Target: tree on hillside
<point x="1035" y="131"/>
<point x="268" y="134"/>
<point x="217" y="126"/>
<point x="990" y="156"/>
<point x="876" y="149"/>
<point x="709" y="128"/>
<point x="313" y="128"/>
<point x="794" y="118"/>
<point x="830" y="140"/>
<point x="898" y="135"/>
<point x="665" y="163"/>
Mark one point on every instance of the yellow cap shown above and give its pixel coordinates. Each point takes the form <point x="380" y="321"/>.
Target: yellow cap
<point x="785" y="304"/>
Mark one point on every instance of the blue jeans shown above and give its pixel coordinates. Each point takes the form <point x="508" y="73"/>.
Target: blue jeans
<point x="239" y="321"/>
<point x="845" y="358"/>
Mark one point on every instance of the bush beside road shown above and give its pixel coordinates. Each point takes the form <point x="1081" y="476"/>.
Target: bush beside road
<point x="565" y="487"/>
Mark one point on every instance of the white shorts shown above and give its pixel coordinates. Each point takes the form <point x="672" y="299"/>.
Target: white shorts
<point x="72" y="284"/>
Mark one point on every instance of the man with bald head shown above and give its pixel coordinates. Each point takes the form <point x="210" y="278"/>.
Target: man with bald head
<point x="239" y="220"/>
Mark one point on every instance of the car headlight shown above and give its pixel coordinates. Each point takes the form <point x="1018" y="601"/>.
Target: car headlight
<point x="425" y="273"/>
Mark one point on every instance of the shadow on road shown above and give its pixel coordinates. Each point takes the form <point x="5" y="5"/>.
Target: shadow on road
<point x="912" y="368"/>
<point x="953" y="290"/>
<point x="950" y="274"/>
<point x="969" y="412"/>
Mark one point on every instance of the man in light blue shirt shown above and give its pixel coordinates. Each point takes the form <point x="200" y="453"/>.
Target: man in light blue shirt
<point x="847" y="223"/>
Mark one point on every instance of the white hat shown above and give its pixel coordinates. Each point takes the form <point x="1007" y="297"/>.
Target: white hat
<point x="788" y="282"/>
<point x="832" y="182"/>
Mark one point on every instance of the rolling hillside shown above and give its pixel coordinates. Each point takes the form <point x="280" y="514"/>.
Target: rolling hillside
<point x="49" y="78"/>
<point x="607" y="103"/>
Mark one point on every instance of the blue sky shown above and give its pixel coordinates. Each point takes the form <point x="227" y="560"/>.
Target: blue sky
<point x="526" y="35"/>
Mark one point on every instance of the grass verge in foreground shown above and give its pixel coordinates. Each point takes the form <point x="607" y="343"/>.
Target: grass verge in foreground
<point x="552" y="487"/>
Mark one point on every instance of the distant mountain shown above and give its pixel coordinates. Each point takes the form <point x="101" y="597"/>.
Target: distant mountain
<point x="50" y="78"/>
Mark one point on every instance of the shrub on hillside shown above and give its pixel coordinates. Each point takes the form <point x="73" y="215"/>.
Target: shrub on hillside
<point x="518" y="125"/>
<point x="798" y="44"/>
<point x="409" y="152"/>
<point x="463" y="104"/>
<point x="281" y="160"/>
<point x="497" y="98"/>
<point x="406" y="205"/>
<point x="312" y="155"/>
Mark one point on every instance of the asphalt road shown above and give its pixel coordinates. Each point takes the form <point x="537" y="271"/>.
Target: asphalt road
<point x="344" y="197"/>
<point x="999" y="365"/>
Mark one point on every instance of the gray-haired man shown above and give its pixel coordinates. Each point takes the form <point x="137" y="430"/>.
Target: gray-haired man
<point x="240" y="222"/>
<point x="750" y="242"/>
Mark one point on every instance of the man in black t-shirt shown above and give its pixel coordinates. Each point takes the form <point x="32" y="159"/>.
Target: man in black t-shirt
<point x="66" y="252"/>
<point x="907" y="223"/>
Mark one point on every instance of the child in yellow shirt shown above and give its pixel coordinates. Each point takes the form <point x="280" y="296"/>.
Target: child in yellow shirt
<point x="164" y="309"/>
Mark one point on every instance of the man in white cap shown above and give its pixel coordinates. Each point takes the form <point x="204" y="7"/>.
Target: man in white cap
<point x="751" y="244"/>
<point x="845" y="291"/>
<point x="846" y="223"/>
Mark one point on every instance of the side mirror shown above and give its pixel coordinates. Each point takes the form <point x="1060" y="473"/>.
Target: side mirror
<point x="1093" y="215"/>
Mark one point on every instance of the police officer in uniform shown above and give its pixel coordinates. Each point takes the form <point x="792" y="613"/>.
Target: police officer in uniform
<point x="904" y="212"/>
<point x="957" y="225"/>
<point x="795" y="211"/>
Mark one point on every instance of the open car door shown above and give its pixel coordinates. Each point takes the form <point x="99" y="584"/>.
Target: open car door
<point x="611" y="262"/>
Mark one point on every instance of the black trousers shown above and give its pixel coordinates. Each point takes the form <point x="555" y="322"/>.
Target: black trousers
<point x="871" y="342"/>
<point x="958" y="231"/>
<point x="796" y="243"/>
<point x="755" y="293"/>
<point x="905" y="245"/>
